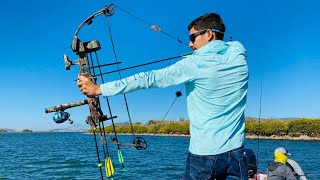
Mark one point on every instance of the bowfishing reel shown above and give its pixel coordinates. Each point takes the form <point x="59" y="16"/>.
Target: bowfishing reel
<point x="61" y="117"/>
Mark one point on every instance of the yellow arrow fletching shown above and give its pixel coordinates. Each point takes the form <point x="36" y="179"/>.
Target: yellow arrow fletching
<point x="109" y="167"/>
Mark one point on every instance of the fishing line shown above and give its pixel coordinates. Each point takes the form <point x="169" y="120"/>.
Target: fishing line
<point x="154" y="27"/>
<point x="77" y="136"/>
<point x="178" y="94"/>
<point x="259" y="128"/>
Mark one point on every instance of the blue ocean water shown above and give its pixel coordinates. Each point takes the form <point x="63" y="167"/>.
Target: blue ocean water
<point x="73" y="155"/>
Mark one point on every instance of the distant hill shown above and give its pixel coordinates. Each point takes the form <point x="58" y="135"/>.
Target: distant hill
<point x="7" y="130"/>
<point x="122" y="124"/>
<point x="68" y="130"/>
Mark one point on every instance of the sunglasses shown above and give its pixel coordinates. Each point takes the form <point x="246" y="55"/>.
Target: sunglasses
<point x="192" y="37"/>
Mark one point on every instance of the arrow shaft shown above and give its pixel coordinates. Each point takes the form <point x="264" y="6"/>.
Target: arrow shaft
<point x="144" y="64"/>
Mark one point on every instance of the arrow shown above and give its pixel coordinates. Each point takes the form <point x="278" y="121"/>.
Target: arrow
<point x="144" y="64"/>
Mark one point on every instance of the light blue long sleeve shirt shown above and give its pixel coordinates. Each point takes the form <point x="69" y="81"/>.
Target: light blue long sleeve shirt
<point x="216" y="81"/>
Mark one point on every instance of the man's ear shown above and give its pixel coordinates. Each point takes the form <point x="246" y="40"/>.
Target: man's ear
<point x="212" y="36"/>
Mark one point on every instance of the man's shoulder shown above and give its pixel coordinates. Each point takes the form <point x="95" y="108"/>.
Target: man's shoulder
<point x="236" y="47"/>
<point x="235" y="44"/>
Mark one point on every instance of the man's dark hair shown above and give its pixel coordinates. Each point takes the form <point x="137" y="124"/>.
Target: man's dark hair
<point x="209" y="21"/>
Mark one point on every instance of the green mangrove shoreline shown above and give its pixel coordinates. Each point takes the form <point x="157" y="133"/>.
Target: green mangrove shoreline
<point x="298" y="129"/>
<point x="294" y="129"/>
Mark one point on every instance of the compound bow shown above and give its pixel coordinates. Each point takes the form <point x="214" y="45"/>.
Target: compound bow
<point x="85" y="51"/>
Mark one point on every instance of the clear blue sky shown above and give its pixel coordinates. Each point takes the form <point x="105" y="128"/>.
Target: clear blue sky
<point x="281" y="38"/>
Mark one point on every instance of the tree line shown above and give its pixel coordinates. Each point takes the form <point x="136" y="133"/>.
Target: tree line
<point x="180" y="127"/>
<point x="268" y="127"/>
<point x="293" y="128"/>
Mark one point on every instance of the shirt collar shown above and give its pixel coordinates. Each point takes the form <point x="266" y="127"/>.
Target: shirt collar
<point x="215" y="46"/>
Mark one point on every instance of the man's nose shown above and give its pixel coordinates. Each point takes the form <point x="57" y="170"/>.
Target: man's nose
<point x="191" y="45"/>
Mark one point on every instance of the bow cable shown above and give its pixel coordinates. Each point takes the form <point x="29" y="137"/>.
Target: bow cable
<point x="111" y="116"/>
<point x="108" y="163"/>
<point x="101" y="123"/>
